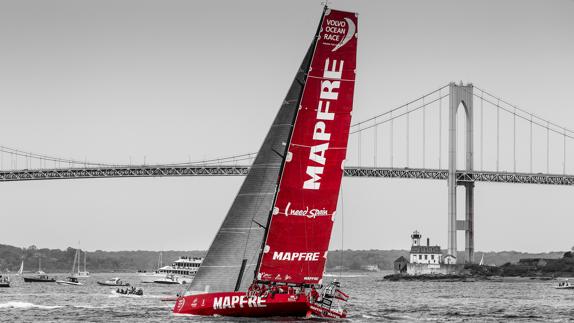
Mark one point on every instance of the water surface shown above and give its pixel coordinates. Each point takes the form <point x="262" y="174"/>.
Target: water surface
<point x="517" y="300"/>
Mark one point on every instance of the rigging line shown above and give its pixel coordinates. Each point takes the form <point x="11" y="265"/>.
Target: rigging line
<point x="522" y="110"/>
<point x="342" y="231"/>
<point x="400" y="115"/>
<point x="400" y="107"/>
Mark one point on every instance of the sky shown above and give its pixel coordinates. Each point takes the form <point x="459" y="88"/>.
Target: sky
<point x="171" y="81"/>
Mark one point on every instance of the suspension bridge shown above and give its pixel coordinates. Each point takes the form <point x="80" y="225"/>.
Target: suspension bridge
<point x="502" y="143"/>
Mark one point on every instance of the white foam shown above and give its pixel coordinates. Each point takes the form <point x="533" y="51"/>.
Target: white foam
<point x="25" y="305"/>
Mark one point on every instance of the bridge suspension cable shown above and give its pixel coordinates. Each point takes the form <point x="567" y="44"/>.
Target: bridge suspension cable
<point x="385" y="124"/>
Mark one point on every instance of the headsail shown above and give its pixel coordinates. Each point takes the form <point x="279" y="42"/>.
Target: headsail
<point x="233" y="255"/>
<point x="300" y="230"/>
<point x="21" y="270"/>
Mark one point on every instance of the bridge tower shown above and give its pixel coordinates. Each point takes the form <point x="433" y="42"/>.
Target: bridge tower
<point x="460" y="94"/>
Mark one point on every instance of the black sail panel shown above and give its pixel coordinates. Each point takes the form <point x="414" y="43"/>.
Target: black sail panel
<point x="238" y="242"/>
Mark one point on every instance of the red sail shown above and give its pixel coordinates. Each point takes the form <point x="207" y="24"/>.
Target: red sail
<point x="300" y="228"/>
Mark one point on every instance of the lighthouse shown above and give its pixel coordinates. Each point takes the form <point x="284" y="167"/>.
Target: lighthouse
<point x="429" y="255"/>
<point x="416" y="237"/>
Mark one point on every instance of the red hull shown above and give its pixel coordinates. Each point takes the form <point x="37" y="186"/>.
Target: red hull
<point x="239" y="304"/>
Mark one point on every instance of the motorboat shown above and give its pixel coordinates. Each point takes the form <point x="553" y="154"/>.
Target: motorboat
<point x="183" y="268"/>
<point x="128" y="292"/>
<point x="70" y="281"/>
<point x="4" y="281"/>
<point x="40" y="277"/>
<point x="564" y="285"/>
<point x="114" y="282"/>
<point x="168" y="280"/>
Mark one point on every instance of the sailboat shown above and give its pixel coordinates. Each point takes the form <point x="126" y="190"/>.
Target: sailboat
<point x="268" y="257"/>
<point x="21" y="270"/>
<point x="73" y="278"/>
<point x="85" y="273"/>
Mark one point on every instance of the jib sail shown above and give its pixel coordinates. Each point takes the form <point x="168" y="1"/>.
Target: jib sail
<point x="297" y="241"/>
<point x="232" y="258"/>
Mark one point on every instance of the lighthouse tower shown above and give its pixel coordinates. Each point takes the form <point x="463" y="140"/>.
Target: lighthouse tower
<point x="416" y="237"/>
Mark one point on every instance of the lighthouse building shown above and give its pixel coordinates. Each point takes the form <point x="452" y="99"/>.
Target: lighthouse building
<point x="427" y="259"/>
<point x="424" y="254"/>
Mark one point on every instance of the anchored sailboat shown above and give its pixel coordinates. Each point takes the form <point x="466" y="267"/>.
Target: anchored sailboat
<point x="85" y="273"/>
<point x="73" y="278"/>
<point x="269" y="254"/>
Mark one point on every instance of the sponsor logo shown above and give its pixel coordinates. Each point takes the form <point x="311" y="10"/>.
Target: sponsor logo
<point x="339" y="31"/>
<point x="310" y="213"/>
<point x="295" y="256"/>
<point x="311" y="278"/>
<point x="332" y="75"/>
<point x="179" y="304"/>
<point x="234" y="301"/>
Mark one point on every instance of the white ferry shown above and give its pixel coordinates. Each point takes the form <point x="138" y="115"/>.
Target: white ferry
<point x="183" y="270"/>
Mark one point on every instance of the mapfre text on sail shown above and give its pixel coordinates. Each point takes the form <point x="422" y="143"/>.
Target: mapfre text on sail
<point x="321" y="136"/>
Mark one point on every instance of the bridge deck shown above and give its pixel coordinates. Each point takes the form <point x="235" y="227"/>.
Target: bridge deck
<point x="223" y="170"/>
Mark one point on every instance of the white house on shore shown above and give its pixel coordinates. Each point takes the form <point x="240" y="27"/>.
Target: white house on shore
<point x="424" y="254"/>
<point x="427" y="259"/>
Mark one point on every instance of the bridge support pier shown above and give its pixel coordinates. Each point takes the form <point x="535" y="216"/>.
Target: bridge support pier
<point x="460" y="94"/>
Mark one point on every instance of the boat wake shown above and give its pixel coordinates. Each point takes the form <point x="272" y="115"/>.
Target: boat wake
<point x="26" y="305"/>
<point x="343" y="275"/>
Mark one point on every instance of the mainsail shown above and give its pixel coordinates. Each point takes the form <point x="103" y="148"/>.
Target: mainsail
<point x="300" y="230"/>
<point x="232" y="258"/>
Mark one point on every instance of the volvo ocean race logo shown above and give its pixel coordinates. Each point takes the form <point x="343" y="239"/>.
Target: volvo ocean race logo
<point x="339" y="31"/>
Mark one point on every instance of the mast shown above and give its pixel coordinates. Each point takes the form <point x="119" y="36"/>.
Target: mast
<point x="74" y="263"/>
<point x="307" y="63"/>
